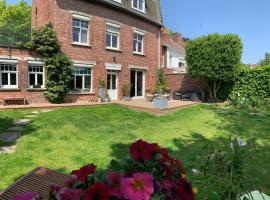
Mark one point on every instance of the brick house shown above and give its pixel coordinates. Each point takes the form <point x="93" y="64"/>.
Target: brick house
<point x="117" y="41"/>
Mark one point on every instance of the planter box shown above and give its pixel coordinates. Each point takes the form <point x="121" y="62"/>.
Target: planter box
<point x="102" y="92"/>
<point x="161" y="102"/>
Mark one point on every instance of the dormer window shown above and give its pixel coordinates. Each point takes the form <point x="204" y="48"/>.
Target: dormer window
<point x="138" y="5"/>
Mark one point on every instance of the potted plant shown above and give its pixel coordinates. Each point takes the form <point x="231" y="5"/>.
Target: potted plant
<point x="161" y="99"/>
<point x="126" y="91"/>
<point x="107" y="98"/>
<point x="99" y="99"/>
<point x="101" y="88"/>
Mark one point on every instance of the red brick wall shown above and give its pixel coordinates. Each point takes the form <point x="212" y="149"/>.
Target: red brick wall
<point x="61" y="18"/>
<point x="22" y="56"/>
<point x="184" y="83"/>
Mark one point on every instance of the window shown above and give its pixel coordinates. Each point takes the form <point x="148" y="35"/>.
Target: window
<point x="80" y="31"/>
<point x="138" y="5"/>
<point x="138" y="43"/>
<point x="112" y="37"/>
<point x="36" y="76"/>
<point x="8" y="75"/>
<point x="82" y="80"/>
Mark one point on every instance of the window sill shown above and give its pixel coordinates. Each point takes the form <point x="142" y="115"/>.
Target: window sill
<point x="35" y="89"/>
<point x="141" y="11"/>
<point x="80" y="93"/>
<point x="10" y="89"/>
<point x="138" y="54"/>
<point x="111" y="49"/>
<point x="81" y="44"/>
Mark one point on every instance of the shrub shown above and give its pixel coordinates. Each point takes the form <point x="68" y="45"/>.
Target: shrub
<point x="59" y="66"/>
<point x="161" y="83"/>
<point x="252" y="89"/>
<point x="214" y="58"/>
<point x="126" y="90"/>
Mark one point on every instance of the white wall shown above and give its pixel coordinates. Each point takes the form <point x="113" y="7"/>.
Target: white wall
<point x="174" y="57"/>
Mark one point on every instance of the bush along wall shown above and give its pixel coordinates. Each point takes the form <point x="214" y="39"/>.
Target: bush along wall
<point x="252" y="89"/>
<point x="59" y="66"/>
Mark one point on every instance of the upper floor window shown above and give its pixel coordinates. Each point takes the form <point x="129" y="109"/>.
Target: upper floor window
<point x="112" y="37"/>
<point x="82" y="80"/>
<point x="8" y="75"/>
<point x="80" y="31"/>
<point x="138" y="43"/>
<point x="138" y="5"/>
<point x="36" y="76"/>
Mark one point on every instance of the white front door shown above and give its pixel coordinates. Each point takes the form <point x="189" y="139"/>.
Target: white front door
<point x="112" y="84"/>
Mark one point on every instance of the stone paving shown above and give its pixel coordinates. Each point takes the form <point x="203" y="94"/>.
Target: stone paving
<point x="15" y="132"/>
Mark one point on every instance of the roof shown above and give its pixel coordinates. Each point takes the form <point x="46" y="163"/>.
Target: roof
<point x="152" y="9"/>
<point x="174" y="45"/>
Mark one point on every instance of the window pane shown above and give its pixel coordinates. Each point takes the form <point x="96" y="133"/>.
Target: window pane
<point x="139" y="47"/>
<point x="32" y="79"/>
<point x="87" y="82"/>
<point x="108" y="39"/>
<point x="108" y="81"/>
<point x="75" y="34"/>
<point x="135" y="3"/>
<point x="78" y="82"/>
<point x="84" y="36"/>
<point x="13" y="80"/>
<point x="4" y="78"/>
<point x="39" y="80"/>
<point x="114" y="41"/>
<point x="113" y="81"/>
<point x="134" y="45"/>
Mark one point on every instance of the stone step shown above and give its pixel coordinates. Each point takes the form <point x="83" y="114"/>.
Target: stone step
<point x="22" y="122"/>
<point x="8" y="149"/>
<point x="10" y="136"/>
<point x="15" y="128"/>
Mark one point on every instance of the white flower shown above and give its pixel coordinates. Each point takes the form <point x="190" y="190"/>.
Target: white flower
<point x="195" y="171"/>
<point x="242" y="142"/>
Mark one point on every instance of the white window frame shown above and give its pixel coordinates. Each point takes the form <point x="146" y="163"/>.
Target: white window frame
<point x="143" y="6"/>
<point x="138" y="34"/>
<point x="113" y="33"/>
<point x="9" y="62"/>
<point x="83" y="77"/>
<point x="85" y="19"/>
<point x="36" y="64"/>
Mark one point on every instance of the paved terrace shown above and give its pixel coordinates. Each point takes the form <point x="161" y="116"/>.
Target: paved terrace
<point x="141" y="105"/>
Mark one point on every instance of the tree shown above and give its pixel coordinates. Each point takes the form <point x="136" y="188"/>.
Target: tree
<point x="161" y="84"/>
<point x="215" y="59"/>
<point x="59" y="66"/>
<point x="266" y="60"/>
<point x="15" y="23"/>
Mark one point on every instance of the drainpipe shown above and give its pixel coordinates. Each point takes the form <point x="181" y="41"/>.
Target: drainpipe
<point x="159" y="46"/>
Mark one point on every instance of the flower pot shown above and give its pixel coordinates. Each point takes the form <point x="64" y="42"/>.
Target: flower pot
<point x="127" y="98"/>
<point x="99" y="100"/>
<point x="161" y="102"/>
<point x="107" y="99"/>
<point x="102" y="92"/>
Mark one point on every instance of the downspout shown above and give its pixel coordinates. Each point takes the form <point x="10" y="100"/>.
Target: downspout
<point x="159" y="50"/>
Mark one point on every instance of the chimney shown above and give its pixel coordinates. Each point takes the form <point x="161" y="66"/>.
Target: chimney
<point x="177" y="37"/>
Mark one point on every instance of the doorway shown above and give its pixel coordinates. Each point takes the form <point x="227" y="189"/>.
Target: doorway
<point x="137" y="83"/>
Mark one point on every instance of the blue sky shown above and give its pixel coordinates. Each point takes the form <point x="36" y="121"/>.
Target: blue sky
<point x="248" y="18"/>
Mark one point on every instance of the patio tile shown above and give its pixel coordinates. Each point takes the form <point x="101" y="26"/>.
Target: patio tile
<point x="9" y="149"/>
<point x="22" y="122"/>
<point x="10" y="136"/>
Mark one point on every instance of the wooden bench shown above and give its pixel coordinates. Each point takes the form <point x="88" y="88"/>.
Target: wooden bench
<point x="6" y="100"/>
<point x="39" y="180"/>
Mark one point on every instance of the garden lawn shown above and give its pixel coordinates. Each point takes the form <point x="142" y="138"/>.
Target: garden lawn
<point x="68" y="138"/>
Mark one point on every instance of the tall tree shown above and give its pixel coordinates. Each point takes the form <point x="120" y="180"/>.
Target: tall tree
<point x="266" y="60"/>
<point x="15" y="23"/>
<point x="214" y="58"/>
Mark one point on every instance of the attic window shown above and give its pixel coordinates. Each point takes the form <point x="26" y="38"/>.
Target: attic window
<point x="138" y="5"/>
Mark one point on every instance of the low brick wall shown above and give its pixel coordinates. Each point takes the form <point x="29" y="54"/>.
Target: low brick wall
<point x="184" y="83"/>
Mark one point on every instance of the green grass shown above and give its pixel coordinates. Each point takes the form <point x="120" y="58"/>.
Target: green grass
<point x="68" y="138"/>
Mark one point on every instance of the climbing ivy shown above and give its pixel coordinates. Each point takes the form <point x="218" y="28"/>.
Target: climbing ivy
<point x="59" y="66"/>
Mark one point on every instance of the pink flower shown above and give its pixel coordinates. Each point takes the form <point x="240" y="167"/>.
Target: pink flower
<point x="83" y="172"/>
<point x="26" y="196"/>
<point x="141" y="150"/>
<point x="114" y="185"/>
<point x="139" y="187"/>
<point x="70" y="194"/>
<point x="97" y="191"/>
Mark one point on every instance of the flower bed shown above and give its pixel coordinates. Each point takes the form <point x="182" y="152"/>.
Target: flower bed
<point x="148" y="172"/>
